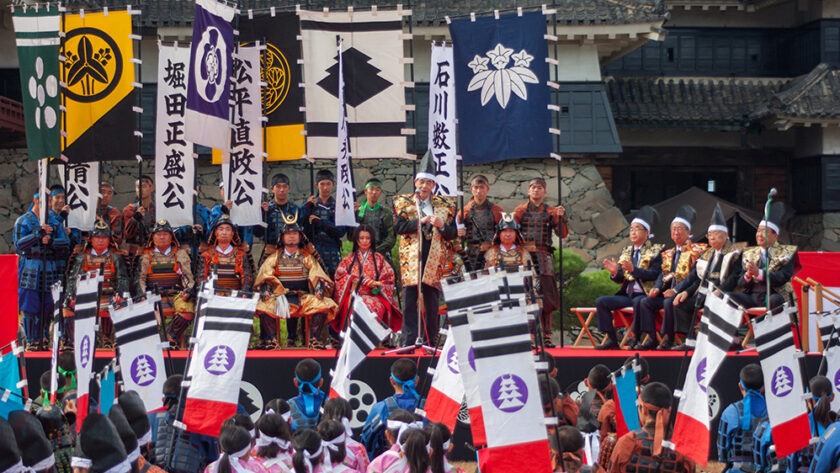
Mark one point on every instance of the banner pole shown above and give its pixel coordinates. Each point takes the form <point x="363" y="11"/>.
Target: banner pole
<point x="559" y="189"/>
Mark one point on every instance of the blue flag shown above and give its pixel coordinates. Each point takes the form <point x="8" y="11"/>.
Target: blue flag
<point x="107" y="391"/>
<point x="501" y="86"/>
<point x="9" y="378"/>
<point x="627" y="414"/>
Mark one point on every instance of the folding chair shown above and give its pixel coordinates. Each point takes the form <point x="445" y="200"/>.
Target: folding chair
<point x="749" y="314"/>
<point x="620" y="320"/>
<point x="584" y="325"/>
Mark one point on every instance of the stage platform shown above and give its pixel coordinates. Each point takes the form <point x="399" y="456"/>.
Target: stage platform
<point x="269" y="374"/>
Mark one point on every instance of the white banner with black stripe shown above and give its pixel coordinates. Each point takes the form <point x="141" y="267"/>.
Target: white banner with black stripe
<point x="217" y="361"/>
<point x="359" y="339"/>
<point x="374" y="77"/>
<point x="509" y="389"/>
<point x="140" y="353"/>
<point x="84" y="337"/>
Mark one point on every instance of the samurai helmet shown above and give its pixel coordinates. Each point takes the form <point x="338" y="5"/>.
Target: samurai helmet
<point x="101" y="228"/>
<point x="223" y="219"/>
<point x="290" y="224"/>
<point x="161" y="225"/>
<point x="507" y="223"/>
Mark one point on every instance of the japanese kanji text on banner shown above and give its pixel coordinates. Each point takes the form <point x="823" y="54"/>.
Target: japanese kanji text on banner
<point x="442" y="119"/>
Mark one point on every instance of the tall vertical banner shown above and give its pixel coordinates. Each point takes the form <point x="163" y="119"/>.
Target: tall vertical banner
<point x="98" y="84"/>
<point x="784" y="386"/>
<point x="374" y="82"/>
<point x="174" y="163"/>
<point x="244" y="164"/>
<point x="442" y="138"/>
<point x="217" y="361"/>
<point x="502" y="87"/>
<point x="360" y="338"/>
<point x="510" y="393"/>
<point x="282" y="96"/>
<point x="82" y="185"/>
<point x="208" y="90"/>
<point x="446" y="394"/>
<point x="140" y="354"/>
<point x="36" y="35"/>
<point x="43" y="190"/>
<point x="84" y="338"/>
<point x="345" y="195"/>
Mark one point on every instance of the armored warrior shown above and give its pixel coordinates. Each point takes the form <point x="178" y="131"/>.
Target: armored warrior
<point x="164" y="268"/>
<point x="477" y="223"/>
<point x="538" y="221"/>
<point x="275" y="213"/>
<point x="138" y="219"/>
<point x="293" y="284"/>
<point x="227" y="257"/>
<point x="320" y="221"/>
<point x="507" y="250"/>
<point x="100" y="253"/>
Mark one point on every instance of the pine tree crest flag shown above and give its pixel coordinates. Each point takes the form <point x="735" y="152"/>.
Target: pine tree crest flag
<point x="84" y="338"/>
<point x="784" y="386"/>
<point x="360" y="338"/>
<point x="36" y="35"/>
<point x="211" y="63"/>
<point x="501" y="79"/>
<point x="446" y="393"/>
<point x="98" y="84"/>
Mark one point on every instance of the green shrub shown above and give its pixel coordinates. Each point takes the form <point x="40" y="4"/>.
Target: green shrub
<point x="579" y="289"/>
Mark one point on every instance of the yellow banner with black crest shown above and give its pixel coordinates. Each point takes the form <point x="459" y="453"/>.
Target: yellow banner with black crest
<point x="98" y="85"/>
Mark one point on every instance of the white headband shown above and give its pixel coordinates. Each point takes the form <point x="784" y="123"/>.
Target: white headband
<point x="16" y="468"/>
<point x="265" y="440"/>
<point x="240" y="453"/>
<point x="286" y="415"/>
<point x="424" y="175"/>
<point x="347" y="429"/>
<point x="122" y="467"/>
<point x="41" y="465"/>
<point x="335" y="443"/>
<point x="719" y="228"/>
<point x="80" y="462"/>
<point x="134" y="454"/>
<point x="146" y="438"/>
<point x="641" y="222"/>
<point x="307" y="458"/>
<point x="682" y="221"/>
<point x="770" y="225"/>
<point x="403" y="427"/>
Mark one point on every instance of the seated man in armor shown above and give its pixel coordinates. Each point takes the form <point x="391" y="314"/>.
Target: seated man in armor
<point x="165" y="269"/>
<point x="784" y="263"/>
<point x="100" y="251"/>
<point x="293" y="284"/>
<point x="226" y="257"/>
<point x="507" y="249"/>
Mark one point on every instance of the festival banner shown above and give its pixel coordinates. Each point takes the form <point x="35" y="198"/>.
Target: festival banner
<point x="717" y="327"/>
<point x="174" y="163"/>
<point x="84" y="342"/>
<point x="509" y="391"/>
<point x="208" y="86"/>
<point x="140" y="353"/>
<point x="359" y="339"/>
<point x="81" y="180"/>
<point x="98" y="84"/>
<point x="446" y="393"/>
<point x="831" y="353"/>
<point x="36" y="36"/>
<point x="280" y="72"/>
<point x="374" y="78"/>
<point x="345" y="195"/>
<point x="784" y="386"/>
<point x="502" y="94"/>
<point x="244" y="165"/>
<point x="473" y="292"/>
<point x="217" y="361"/>
<point x="8" y="298"/>
<point x="43" y="190"/>
<point x="11" y="394"/>
<point x="625" y="396"/>
<point x="107" y="379"/>
<point x="55" y="291"/>
<point x="442" y="119"/>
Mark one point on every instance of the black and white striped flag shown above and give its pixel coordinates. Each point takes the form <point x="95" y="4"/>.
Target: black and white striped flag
<point x="84" y="338"/>
<point x="140" y="349"/>
<point x="359" y="339"/>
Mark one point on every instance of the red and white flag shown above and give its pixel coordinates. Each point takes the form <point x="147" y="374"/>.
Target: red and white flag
<point x="84" y="338"/>
<point x="784" y="387"/>
<point x="359" y="339"/>
<point x="447" y="390"/>
<point x="717" y="327"/>
<point x="141" y="351"/>
<point x="470" y="292"/>
<point x="510" y="393"/>
<point x="217" y="362"/>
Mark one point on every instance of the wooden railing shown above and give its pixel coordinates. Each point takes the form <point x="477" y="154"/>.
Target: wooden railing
<point x="821" y="294"/>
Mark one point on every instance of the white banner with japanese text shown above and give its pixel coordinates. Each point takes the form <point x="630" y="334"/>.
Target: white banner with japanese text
<point x="442" y="119"/>
<point x="82" y="187"/>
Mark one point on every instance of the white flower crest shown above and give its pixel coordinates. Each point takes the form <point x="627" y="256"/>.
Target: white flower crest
<point x="501" y="82"/>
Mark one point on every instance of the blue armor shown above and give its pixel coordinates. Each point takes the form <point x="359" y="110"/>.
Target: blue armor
<point x="735" y="443"/>
<point x="827" y="452"/>
<point x="764" y="452"/>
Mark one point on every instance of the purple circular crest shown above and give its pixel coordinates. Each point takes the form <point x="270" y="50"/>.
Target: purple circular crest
<point x="219" y="360"/>
<point x="837" y="380"/>
<point x="509" y="393"/>
<point x="782" y="381"/>
<point x="471" y="358"/>
<point x="452" y="360"/>
<point x="84" y="351"/>
<point x="701" y="374"/>
<point x="143" y="370"/>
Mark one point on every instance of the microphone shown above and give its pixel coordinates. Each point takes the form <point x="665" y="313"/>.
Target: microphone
<point x="772" y="193"/>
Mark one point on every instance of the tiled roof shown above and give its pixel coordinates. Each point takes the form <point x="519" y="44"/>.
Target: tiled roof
<point x="815" y="95"/>
<point x="570" y="12"/>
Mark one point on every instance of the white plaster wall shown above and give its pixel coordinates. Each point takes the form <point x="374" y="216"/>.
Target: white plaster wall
<point x="831" y="140"/>
<point x="578" y="63"/>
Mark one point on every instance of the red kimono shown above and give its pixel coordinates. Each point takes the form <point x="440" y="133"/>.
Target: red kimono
<point x="351" y="275"/>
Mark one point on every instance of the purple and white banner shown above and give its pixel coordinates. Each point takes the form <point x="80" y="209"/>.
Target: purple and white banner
<point x="174" y="163"/>
<point x="244" y="165"/>
<point x="442" y="119"/>
<point x="82" y="185"/>
<point x="140" y="353"/>
<point x="208" y="90"/>
<point x="84" y="336"/>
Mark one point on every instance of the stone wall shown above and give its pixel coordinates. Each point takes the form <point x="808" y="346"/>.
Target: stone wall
<point x="817" y="231"/>
<point x="597" y="227"/>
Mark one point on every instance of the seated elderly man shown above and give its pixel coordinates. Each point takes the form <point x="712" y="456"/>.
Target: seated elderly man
<point x="783" y="264"/>
<point x="636" y="271"/>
